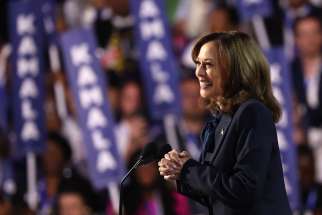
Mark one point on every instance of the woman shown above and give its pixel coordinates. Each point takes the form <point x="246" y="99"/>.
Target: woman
<point x="240" y="169"/>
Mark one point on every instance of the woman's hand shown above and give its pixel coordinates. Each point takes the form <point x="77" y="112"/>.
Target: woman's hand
<point x="171" y="165"/>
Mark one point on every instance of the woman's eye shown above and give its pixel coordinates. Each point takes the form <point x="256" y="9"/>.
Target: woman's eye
<point x="208" y="65"/>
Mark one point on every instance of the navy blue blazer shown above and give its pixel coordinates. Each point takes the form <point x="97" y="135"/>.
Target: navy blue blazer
<point x="242" y="173"/>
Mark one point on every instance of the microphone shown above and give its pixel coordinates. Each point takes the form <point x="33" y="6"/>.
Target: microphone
<point x="151" y="152"/>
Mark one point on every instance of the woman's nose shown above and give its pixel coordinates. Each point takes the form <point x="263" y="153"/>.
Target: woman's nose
<point x="200" y="71"/>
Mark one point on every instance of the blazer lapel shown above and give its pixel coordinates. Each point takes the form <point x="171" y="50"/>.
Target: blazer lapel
<point x="221" y="132"/>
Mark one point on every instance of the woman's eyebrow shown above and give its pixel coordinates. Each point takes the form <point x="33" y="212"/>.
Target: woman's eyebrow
<point x="205" y="59"/>
<point x="208" y="59"/>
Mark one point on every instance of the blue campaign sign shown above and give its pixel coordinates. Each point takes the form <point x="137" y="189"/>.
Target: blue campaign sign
<point x="26" y="37"/>
<point x="47" y="12"/>
<point x="282" y="91"/>
<point x="158" y="67"/>
<point x="88" y="87"/>
<point x="250" y="8"/>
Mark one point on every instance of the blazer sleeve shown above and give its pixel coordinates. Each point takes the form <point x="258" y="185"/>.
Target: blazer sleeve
<point x="238" y="187"/>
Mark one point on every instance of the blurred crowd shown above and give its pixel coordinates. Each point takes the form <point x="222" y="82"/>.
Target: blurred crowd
<point x="63" y="185"/>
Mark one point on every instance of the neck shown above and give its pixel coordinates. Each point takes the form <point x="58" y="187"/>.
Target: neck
<point x="311" y="64"/>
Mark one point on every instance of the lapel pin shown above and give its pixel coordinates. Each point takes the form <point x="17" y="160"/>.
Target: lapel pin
<point x="222" y="132"/>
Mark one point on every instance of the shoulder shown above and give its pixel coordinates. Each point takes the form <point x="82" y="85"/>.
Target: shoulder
<point x="252" y="106"/>
<point x="253" y="112"/>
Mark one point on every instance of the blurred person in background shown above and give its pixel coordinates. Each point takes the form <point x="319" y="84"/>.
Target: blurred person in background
<point x="72" y="132"/>
<point x="221" y="17"/>
<point x="55" y="166"/>
<point x="148" y="194"/>
<point x="299" y="8"/>
<point x="130" y="99"/>
<point x="132" y="127"/>
<point x="186" y="26"/>
<point x="292" y="10"/>
<point x="75" y="197"/>
<point x="192" y="25"/>
<point x="98" y="15"/>
<point x="306" y="70"/>
<point x="310" y="189"/>
<point x="112" y="24"/>
<point x="279" y="24"/>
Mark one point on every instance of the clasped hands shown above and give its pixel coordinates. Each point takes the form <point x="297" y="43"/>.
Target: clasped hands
<point x="171" y="165"/>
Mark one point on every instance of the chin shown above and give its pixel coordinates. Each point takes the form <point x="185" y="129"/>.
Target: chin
<point x="205" y="94"/>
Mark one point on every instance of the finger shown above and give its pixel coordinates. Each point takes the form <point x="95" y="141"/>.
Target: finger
<point x="167" y="156"/>
<point x="163" y="161"/>
<point x="173" y="151"/>
<point x="175" y="157"/>
<point x="166" y="172"/>
<point x="164" y="169"/>
<point x="169" y="171"/>
<point x="173" y="164"/>
<point x="176" y="163"/>
<point x="169" y="177"/>
<point x="184" y="154"/>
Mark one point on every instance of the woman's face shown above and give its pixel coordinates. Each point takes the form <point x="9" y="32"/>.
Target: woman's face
<point x="208" y="73"/>
<point x="130" y="101"/>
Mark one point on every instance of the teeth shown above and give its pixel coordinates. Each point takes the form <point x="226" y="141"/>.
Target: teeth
<point x="205" y="84"/>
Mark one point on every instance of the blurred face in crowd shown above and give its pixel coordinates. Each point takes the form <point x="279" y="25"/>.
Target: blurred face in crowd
<point x="190" y="101"/>
<point x="72" y="204"/>
<point x="308" y="37"/>
<point x="130" y="99"/>
<point x="208" y="74"/>
<point x="53" y="159"/>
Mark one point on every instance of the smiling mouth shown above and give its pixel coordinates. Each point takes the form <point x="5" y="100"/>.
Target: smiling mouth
<point x="204" y="85"/>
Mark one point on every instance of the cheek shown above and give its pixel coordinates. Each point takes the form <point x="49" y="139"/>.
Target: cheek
<point x="214" y="77"/>
<point x="217" y="85"/>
